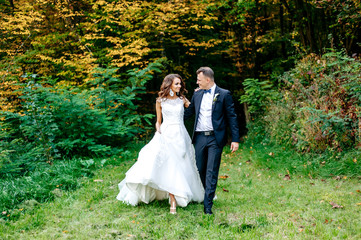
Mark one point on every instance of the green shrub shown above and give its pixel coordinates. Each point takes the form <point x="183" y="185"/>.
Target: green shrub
<point x="318" y="115"/>
<point x="56" y="122"/>
<point x="321" y="105"/>
<point x="258" y="95"/>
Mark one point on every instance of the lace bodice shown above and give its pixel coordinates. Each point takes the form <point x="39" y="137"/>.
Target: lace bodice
<point x="172" y="111"/>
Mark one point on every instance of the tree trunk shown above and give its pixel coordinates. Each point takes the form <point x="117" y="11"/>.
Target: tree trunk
<point x="246" y="113"/>
<point x="12" y="4"/>
<point x="282" y="26"/>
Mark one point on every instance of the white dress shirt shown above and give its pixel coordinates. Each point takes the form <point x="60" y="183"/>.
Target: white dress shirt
<point x="205" y="112"/>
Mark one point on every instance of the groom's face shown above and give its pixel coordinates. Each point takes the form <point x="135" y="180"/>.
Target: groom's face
<point x="202" y="81"/>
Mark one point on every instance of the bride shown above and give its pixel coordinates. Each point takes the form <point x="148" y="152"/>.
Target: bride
<point x="166" y="166"/>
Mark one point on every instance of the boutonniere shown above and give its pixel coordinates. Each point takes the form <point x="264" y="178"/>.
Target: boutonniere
<point x="215" y="97"/>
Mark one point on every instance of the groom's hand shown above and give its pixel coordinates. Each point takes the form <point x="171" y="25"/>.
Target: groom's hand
<point x="234" y="146"/>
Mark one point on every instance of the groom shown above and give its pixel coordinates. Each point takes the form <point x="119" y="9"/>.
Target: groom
<point x="214" y="111"/>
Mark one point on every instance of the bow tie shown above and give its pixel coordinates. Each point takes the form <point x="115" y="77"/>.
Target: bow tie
<point x="207" y="91"/>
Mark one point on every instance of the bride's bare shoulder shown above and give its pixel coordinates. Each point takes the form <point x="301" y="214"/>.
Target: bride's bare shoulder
<point x="160" y="100"/>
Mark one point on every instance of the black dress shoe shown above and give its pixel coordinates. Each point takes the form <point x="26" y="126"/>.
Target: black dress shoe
<point x="208" y="211"/>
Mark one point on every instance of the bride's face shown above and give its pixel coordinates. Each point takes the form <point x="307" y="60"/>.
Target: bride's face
<point x="176" y="85"/>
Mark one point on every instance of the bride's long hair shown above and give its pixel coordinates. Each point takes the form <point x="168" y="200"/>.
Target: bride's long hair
<point x="167" y="83"/>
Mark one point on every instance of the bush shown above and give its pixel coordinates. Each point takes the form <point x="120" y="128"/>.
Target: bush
<point x="318" y="115"/>
<point x="258" y="95"/>
<point x="57" y="122"/>
<point x="321" y="105"/>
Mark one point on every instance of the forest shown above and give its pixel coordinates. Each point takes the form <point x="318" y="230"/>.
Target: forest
<point x="79" y="80"/>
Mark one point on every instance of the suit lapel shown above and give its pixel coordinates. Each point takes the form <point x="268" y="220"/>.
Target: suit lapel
<point x="198" y="102"/>
<point x="197" y="105"/>
<point x="215" y="96"/>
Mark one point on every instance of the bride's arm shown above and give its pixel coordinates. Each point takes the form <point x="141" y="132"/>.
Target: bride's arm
<point x="159" y="116"/>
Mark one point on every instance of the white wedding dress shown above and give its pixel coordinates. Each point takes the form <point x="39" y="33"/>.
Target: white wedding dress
<point x="165" y="165"/>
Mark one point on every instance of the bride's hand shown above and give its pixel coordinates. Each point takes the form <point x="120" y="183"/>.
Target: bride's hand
<point x="157" y="127"/>
<point x="186" y="102"/>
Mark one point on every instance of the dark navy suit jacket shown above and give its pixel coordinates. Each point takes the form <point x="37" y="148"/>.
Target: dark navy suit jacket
<point x="223" y="114"/>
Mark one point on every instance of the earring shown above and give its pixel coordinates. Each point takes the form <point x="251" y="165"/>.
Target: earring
<point x="171" y="93"/>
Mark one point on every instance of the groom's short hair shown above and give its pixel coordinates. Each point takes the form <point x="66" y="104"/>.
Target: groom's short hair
<point x="207" y="71"/>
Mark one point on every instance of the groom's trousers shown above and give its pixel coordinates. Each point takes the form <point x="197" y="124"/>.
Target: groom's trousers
<point x="208" y="159"/>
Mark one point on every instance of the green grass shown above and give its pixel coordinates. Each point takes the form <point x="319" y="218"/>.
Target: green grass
<point x="253" y="203"/>
<point x="285" y="159"/>
<point x="42" y="185"/>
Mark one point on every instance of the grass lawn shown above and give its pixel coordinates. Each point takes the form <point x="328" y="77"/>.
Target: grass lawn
<point x="253" y="203"/>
